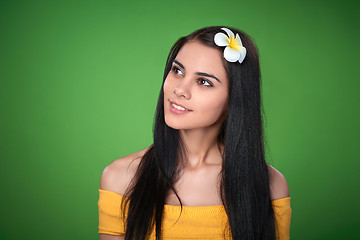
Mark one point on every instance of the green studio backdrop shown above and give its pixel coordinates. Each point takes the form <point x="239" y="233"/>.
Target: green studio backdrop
<point x="79" y="83"/>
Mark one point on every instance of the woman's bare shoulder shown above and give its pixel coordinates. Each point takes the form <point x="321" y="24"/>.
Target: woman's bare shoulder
<point x="279" y="187"/>
<point x="117" y="176"/>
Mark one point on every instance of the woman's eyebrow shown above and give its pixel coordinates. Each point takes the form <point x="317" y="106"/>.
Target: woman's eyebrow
<point x="178" y="63"/>
<point x="198" y="73"/>
<point x="208" y="75"/>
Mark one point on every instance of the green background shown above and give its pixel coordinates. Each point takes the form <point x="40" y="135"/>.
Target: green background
<point x="79" y="83"/>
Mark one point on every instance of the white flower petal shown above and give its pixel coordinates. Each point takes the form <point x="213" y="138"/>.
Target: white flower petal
<point x="239" y="39"/>
<point x="229" y="32"/>
<point x="231" y="54"/>
<point x="242" y="54"/>
<point x="221" y="40"/>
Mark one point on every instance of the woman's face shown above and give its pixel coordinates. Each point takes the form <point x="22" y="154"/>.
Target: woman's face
<point x="196" y="88"/>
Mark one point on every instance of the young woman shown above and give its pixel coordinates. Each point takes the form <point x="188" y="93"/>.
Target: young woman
<point x="205" y="176"/>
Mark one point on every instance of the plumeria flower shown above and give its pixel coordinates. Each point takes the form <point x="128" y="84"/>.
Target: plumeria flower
<point x="234" y="50"/>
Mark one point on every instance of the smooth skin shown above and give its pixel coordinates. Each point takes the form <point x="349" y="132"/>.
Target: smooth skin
<point x="197" y="83"/>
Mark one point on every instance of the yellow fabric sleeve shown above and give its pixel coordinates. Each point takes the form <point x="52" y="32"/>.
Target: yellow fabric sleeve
<point x="110" y="214"/>
<point x="204" y="222"/>
<point x="282" y="213"/>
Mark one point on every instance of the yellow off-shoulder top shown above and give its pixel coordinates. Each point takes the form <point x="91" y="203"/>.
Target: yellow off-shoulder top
<point x="195" y="222"/>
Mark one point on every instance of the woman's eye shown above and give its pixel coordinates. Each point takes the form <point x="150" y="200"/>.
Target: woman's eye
<point x="205" y="82"/>
<point x="177" y="70"/>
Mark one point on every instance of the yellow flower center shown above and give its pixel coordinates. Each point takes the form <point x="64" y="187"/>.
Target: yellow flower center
<point x="233" y="43"/>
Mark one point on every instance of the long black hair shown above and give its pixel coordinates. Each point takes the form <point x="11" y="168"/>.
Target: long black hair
<point x="245" y="190"/>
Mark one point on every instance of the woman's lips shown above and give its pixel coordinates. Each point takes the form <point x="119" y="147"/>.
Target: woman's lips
<point x="177" y="108"/>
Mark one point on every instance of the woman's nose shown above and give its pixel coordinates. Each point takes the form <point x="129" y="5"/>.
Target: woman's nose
<point x="182" y="91"/>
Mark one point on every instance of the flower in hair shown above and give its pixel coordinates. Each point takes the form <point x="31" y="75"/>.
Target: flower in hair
<point x="234" y="50"/>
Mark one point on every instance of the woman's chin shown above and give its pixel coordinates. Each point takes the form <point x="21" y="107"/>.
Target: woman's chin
<point x="178" y="125"/>
<point x="174" y="125"/>
<point x="184" y="125"/>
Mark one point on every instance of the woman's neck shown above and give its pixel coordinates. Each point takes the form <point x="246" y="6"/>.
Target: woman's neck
<point x="201" y="147"/>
